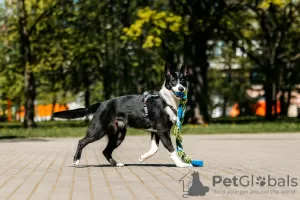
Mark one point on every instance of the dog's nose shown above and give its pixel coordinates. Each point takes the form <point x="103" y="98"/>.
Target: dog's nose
<point x="181" y="89"/>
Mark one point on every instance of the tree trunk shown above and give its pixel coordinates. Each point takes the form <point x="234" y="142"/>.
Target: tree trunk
<point x="269" y="98"/>
<point x="29" y="99"/>
<point x="224" y="106"/>
<point x="204" y="98"/>
<point x="26" y="60"/>
<point x="18" y="109"/>
<point x="124" y="75"/>
<point x="53" y="106"/>
<point x="195" y="53"/>
<point x="87" y="97"/>
<point x="275" y="105"/>
<point x="107" y="83"/>
<point x="107" y="74"/>
<point x="287" y="105"/>
<point x="282" y="103"/>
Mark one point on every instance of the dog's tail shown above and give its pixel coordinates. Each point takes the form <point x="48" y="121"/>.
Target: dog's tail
<point x="77" y="113"/>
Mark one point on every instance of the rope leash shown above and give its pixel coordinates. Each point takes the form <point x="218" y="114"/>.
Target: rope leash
<point x="180" y="118"/>
<point x="178" y="125"/>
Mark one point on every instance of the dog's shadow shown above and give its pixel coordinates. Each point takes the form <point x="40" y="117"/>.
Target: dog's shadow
<point x="127" y="165"/>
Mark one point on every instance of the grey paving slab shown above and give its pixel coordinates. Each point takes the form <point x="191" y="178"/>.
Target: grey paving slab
<point x="43" y="169"/>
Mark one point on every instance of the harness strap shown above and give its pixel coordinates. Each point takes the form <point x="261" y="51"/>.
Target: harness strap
<point x="147" y="96"/>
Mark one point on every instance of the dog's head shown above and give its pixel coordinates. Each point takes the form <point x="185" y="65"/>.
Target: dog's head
<point x="176" y="81"/>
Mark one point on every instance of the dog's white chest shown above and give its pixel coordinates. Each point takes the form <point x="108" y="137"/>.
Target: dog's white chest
<point x="171" y="114"/>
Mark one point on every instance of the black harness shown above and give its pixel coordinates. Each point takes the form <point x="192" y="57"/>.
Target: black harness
<point x="146" y="97"/>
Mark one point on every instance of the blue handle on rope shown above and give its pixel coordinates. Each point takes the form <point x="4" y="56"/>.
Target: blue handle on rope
<point x="197" y="163"/>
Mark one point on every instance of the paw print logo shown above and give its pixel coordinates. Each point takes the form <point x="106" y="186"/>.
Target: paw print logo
<point x="261" y="181"/>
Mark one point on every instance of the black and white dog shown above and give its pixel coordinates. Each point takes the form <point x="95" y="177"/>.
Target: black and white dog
<point x="113" y="116"/>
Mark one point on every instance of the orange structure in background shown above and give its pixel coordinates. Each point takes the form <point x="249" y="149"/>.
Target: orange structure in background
<point x="9" y="112"/>
<point x="259" y="109"/>
<point x="46" y="110"/>
<point x="235" y="111"/>
<point x="43" y="110"/>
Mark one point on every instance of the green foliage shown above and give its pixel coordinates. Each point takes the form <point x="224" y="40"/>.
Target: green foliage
<point x="155" y="24"/>
<point x="267" y="3"/>
<point x="111" y="48"/>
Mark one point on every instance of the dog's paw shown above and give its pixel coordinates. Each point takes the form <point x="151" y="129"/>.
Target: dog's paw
<point x="76" y="162"/>
<point x="141" y="159"/>
<point x="120" y="164"/>
<point x="184" y="165"/>
<point x="144" y="157"/>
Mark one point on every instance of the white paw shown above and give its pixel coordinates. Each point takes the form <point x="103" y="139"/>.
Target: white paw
<point x="120" y="164"/>
<point x="141" y="159"/>
<point x="76" y="162"/>
<point x="184" y="165"/>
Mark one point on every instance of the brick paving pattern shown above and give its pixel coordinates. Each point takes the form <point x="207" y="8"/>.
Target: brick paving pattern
<point x="43" y="168"/>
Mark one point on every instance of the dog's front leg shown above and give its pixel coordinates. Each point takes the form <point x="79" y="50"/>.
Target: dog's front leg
<point x="178" y="161"/>
<point x="167" y="142"/>
<point x="153" y="149"/>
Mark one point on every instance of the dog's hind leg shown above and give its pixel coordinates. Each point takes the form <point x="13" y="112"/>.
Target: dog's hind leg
<point x="153" y="149"/>
<point x="114" y="140"/>
<point x="93" y="134"/>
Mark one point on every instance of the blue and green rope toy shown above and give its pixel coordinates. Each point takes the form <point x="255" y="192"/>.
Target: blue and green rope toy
<point x="180" y="117"/>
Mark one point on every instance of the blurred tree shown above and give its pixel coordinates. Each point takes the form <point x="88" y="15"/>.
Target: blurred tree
<point x="289" y="61"/>
<point x="190" y="25"/>
<point x="25" y="25"/>
<point x="228" y="78"/>
<point x="262" y="35"/>
<point x="54" y="50"/>
<point x="11" y="82"/>
<point x="157" y="35"/>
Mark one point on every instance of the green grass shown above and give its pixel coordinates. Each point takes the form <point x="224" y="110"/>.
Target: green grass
<point x="50" y="129"/>
<point x="78" y="128"/>
<point x="265" y="127"/>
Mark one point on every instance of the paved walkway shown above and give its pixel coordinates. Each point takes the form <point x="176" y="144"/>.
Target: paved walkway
<point x="42" y="169"/>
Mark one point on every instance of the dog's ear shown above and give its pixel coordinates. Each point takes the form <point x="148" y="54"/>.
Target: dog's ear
<point x="168" y="69"/>
<point x="183" y="69"/>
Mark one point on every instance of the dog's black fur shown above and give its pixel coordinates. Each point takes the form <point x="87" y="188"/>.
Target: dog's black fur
<point x="112" y="117"/>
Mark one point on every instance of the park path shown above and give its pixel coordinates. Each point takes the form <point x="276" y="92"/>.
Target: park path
<point x="42" y="169"/>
